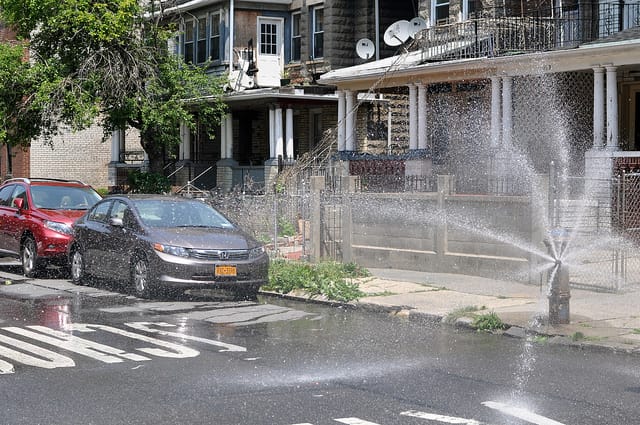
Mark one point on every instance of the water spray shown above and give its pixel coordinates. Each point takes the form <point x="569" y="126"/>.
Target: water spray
<point x="559" y="291"/>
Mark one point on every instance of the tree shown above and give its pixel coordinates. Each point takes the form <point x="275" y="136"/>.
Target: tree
<point x="107" y="62"/>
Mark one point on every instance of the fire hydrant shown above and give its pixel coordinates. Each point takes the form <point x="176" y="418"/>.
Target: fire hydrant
<point x="559" y="290"/>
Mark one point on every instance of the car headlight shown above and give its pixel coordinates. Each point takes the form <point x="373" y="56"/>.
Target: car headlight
<point x="58" y="227"/>
<point x="178" y="251"/>
<point x="256" y="252"/>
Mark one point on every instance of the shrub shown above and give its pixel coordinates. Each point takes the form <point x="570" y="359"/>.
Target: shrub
<point x="144" y="182"/>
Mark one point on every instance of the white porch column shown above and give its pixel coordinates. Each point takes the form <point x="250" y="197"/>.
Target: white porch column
<point x="413" y="117"/>
<point x="272" y="133"/>
<point x="116" y="135"/>
<point x="422" y="116"/>
<point x="341" y="121"/>
<point x="185" y="143"/>
<point x="495" y="111"/>
<point x="223" y="138"/>
<point x="598" y="107"/>
<point x="289" y="132"/>
<point x="612" y="108"/>
<point x="229" y="136"/>
<point x="507" y="111"/>
<point x="350" y="131"/>
<point x="278" y="132"/>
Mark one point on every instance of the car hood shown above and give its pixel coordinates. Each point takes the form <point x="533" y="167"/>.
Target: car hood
<point x="202" y="238"/>
<point x="62" y="216"/>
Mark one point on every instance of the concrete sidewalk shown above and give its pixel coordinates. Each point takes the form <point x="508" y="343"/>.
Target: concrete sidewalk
<point x="598" y="319"/>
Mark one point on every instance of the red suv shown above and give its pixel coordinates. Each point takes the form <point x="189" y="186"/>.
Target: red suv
<point x="36" y="216"/>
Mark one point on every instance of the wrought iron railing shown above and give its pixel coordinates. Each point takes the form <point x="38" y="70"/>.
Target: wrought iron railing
<point x="497" y="32"/>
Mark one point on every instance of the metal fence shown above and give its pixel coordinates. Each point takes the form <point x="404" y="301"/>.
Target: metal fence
<point x="602" y="217"/>
<point x="500" y="31"/>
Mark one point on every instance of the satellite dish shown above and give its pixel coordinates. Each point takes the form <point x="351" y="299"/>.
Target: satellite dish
<point x="365" y="48"/>
<point x="397" y="33"/>
<point x="417" y="24"/>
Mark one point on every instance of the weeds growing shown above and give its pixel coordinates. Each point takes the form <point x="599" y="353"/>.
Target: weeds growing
<point x="332" y="279"/>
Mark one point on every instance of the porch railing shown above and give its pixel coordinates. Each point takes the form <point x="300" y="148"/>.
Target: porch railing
<point x="497" y="32"/>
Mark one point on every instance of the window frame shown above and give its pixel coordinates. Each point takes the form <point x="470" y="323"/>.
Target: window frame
<point x="268" y="45"/>
<point x="317" y="34"/>
<point x="198" y="39"/>
<point x="296" y="37"/>
<point x="188" y="43"/>
<point x="437" y="5"/>
<point x="468" y="9"/>
<point x="214" y="38"/>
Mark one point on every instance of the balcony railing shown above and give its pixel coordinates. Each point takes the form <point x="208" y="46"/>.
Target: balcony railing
<point x="495" y="33"/>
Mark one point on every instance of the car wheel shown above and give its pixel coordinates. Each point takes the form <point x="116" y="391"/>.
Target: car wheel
<point x="140" y="277"/>
<point x="29" y="256"/>
<point x="77" y="267"/>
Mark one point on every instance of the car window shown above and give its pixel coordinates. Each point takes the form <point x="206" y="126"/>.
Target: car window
<point x="63" y="197"/>
<point x="19" y="193"/>
<point x="171" y="213"/>
<point x="100" y="212"/>
<point x="5" y="194"/>
<point x="123" y="212"/>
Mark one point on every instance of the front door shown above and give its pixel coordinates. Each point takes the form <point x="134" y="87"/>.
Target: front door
<point x="270" y="52"/>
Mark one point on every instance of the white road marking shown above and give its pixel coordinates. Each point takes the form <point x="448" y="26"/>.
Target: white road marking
<point x="520" y="413"/>
<point x="34" y="355"/>
<point x="74" y="344"/>
<point x="6" y="367"/>
<point x="354" y="421"/>
<point x="180" y="351"/>
<point x="440" y="418"/>
<point x="46" y="359"/>
<point x="145" y="326"/>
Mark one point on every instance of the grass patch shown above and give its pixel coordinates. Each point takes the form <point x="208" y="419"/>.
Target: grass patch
<point x="333" y="280"/>
<point x="636" y="331"/>
<point x="488" y="322"/>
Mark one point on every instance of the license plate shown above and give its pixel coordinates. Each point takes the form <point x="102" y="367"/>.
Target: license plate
<point x="226" y="271"/>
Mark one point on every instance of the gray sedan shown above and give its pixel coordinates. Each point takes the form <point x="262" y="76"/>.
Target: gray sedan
<point x="157" y="241"/>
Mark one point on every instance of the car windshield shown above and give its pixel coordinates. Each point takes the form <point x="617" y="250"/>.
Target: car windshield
<point x="64" y="197"/>
<point x="171" y="213"/>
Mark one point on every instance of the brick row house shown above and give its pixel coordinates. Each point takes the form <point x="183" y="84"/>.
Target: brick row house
<point x="482" y="77"/>
<point x="273" y="52"/>
<point x="472" y="70"/>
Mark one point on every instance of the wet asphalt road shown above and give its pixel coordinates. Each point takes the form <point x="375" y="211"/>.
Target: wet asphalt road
<point x="106" y="358"/>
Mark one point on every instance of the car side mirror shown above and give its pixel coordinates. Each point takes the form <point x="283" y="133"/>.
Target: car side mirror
<point x="117" y="222"/>
<point x="18" y="203"/>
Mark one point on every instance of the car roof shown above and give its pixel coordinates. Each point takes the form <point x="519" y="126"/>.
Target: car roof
<point x="151" y="196"/>
<point x="43" y="181"/>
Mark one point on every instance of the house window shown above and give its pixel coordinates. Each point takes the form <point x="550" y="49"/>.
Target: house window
<point x="214" y="37"/>
<point x="296" y="37"/>
<point x="468" y="9"/>
<point x="318" y="33"/>
<point x="268" y="39"/>
<point x="441" y="11"/>
<point x="202" y="41"/>
<point x="189" y="37"/>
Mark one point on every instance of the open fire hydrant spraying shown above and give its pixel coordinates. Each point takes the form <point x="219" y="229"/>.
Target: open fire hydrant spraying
<point x="559" y="292"/>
